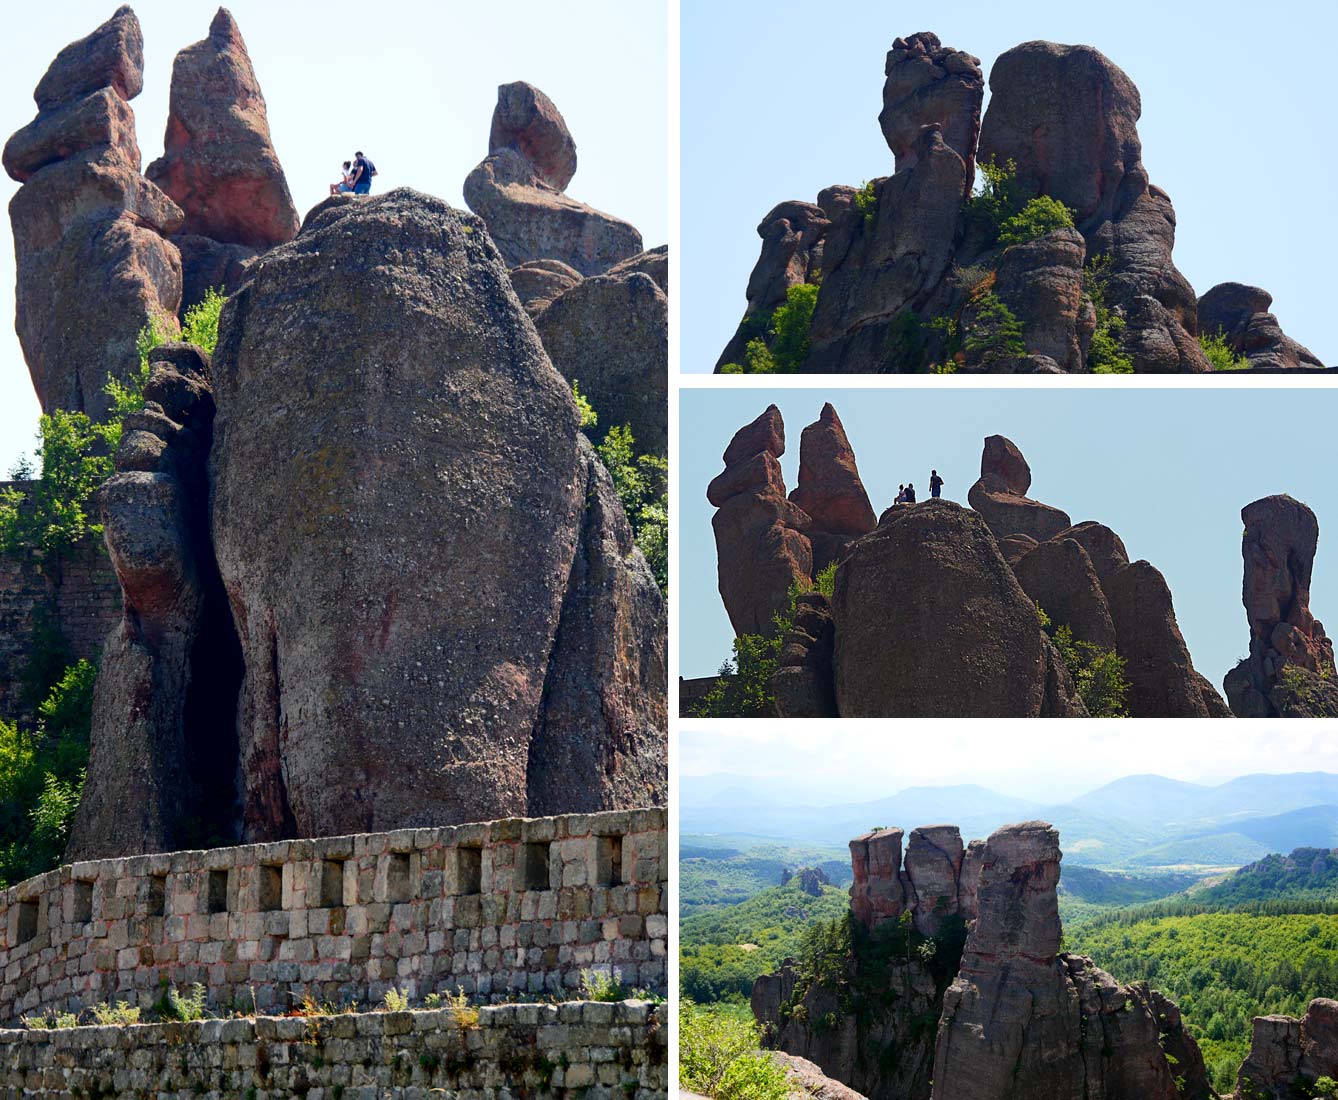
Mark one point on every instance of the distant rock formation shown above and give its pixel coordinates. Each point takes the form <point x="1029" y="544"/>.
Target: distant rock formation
<point x="219" y="163"/>
<point x="519" y="190"/>
<point x="1290" y="669"/>
<point x="93" y="263"/>
<point x="1288" y="1055"/>
<point x="980" y="956"/>
<point x="810" y="880"/>
<point x="902" y="266"/>
<point x="896" y="637"/>
<point x="442" y="616"/>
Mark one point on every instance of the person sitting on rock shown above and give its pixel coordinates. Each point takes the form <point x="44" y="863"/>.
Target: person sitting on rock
<point x="910" y="493"/>
<point x="901" y="495"/>
<point x="345" y="185"/>
<point x="935" y="484"/>
<point x="363" y="171"/>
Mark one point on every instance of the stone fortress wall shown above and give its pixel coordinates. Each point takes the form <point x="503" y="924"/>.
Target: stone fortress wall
<point x="540" y="1051"/>
<point x="505" y="910"/>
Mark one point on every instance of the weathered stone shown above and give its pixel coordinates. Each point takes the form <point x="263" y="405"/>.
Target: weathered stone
<point x="478" y="500"/>
<point x="1041" y="281"/>
<point x="653" y="262"/>
<point x="1059" y="576"/>
<point x="802" y="684"/>
<point x="829" y="489"/>
<point x="539" y="283"/>
<point x="761" y="473"/>
<point x="1241" y="315"/>
<point x="610" y="335"/>
<point x="876" y="893"/>
<point x="766" y="433"/>
<point x="207" y="265"/>
<point x="1104" y="547"/>
<point x="929" y="84"/>
<point x="111" y="56"/>
<point x="999" y="495"/>
<point x="219" y="163"/>
<point x="522" y="200"/>
<point x="933" y="869"/>
<point x="101" y="118"/>
<point x="761" y="550"/>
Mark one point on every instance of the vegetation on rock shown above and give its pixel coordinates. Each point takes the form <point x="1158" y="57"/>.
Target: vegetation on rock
<point x="1097" y="673"/>
<point x="1219" y="352"/>
<point x="1105" y="354"/>
<point x="998" y="197"/>
<point x="1038" y="217"/>
<point x="788" y="328"/>
<point x="718" y="1056"/>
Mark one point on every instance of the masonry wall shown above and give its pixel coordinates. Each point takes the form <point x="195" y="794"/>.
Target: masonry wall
<point x="504" y="910"/>
<point x="595" y="1051"/>
<point x="80" y="595"/>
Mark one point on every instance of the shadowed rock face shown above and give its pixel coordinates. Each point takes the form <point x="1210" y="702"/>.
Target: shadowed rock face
<point x="1290" y="666"/>
<point x="1015" y="1016"/>
<point x="518" y="191"/>
<point x="929" y="84"/>
<point x="93" y="267"/>
<point x="1287" y="1054"/>
<point x="1241" y="315"/>
<point x="219" y="163"/>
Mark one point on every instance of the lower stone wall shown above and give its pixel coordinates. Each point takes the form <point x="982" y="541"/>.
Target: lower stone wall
<point x="597" y="1051"/>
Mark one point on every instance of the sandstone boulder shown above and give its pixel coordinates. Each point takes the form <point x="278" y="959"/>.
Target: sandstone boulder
<point x="1041" y="281"/>
<point x="929" y="84"/>
<point x="522" y="201"/>
<point x="1000" y="495"/>
<point x="610" y="334"/>
<point x="934" y="855"/>
<point x="653" y="262"/>
<point x="1059" y="576"/>
<point x="829" y="489"/>
<point x="417" y="548"/>
<point x="219" y="163"/>
<point x="93" y="267"/>
<point x="539" y="283"/>
<point x="876" y="892"/>
<point x="1241" y="315"/>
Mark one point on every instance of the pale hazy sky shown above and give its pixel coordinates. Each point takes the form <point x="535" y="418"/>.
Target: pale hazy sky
<point x="781" y="100"/>
<point x="412" y="83"/>
<point x="1168" y="469"/>
<point x="1048" y="761"/>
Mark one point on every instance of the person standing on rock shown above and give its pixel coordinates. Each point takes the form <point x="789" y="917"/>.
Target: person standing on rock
<point x="363" y="171"/>
<point x="935" y="484"/>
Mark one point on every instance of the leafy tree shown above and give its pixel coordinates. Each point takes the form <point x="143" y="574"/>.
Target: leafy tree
<point x="866" y="201"/>
<point x="1098" y="674"/>
<point x="998" y="196"/>
<point x="718" y="1056"/>
<point x="790" y="326"/>
<point x="641" y="482"/>
<point x="1038" y="217"/>
<point x="993" y="332"/>
<point x="1219" y="352"/>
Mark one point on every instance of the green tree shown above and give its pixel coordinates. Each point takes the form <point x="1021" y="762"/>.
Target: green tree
<point x="1220" y="354"/>
<point x="718" y="1056"/>
<point x="1105" y="354"/>
<point x="998" y="196"/>
<point x="1038" y="217"/>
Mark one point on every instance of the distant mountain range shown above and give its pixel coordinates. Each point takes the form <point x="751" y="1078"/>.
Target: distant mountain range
<point x="1139" y="821"/>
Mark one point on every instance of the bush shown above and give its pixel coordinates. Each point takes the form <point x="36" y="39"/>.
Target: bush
<point x="993" y="332"/>
<point x="115" y="1014"/>
<point x="602" y="985"/>
<point x="790" y="327"/>
<point x="866" y="201"/>
<point x="718" y="1056"/>
<point x="1105" y="355"/>
<point x="175" y="1005"/>
<point x="1220" y="353"/>
<point x="395" y="1000"/>
<point x="998" y="196"/>
<point x="642" y="484"/>
<point x="1037" y="218"/>
<point x="1098" y="674"/>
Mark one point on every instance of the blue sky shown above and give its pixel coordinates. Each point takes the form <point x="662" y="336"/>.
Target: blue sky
<point x="781" y="100"/>
<point x="1168" y="469"/>
<point x="410" y="82"/>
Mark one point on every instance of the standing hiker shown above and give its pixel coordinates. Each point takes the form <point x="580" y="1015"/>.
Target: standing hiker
<point x="363" y="171"/>
<point x="935" y="484"/>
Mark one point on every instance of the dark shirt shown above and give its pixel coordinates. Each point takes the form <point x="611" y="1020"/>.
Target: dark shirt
<point x="362" y="170"/>
<point x="935" y="484"/>
<point x="910" y="496"/>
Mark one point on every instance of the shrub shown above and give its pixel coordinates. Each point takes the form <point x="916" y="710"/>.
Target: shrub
<point x="589" y="418"/>
<point x="51" y="1021"/>
<point x="904" y="344"/>
<point x="866" y="201"/>
<point x="1098" y="674"/>
<point x="718" y="1056"/>
<point x="1038" y="217"/>
<point x="790" y="327"/>
<point x="175" y="1005"/>
<point x="115" y="1013"/>
<point x="1105" y="354"/>
<point x="997" y="197"/>
<point x="993" y="332"/>
<point x="1220" y="354"/>
<point x="466" y="1015"/>
<point x="642" y="484"/>
<point x="395" y="1000"/>
<point x="602" y="985"/>
<point x="757" y="357"/>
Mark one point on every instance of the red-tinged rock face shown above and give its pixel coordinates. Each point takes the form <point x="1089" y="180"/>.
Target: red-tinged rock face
<point x="876" y="893"/>
<point x="112" y="56"/>
<point x="830" y="490"/>
<point x="219" y="163"/>
<point x="526" y="120"/>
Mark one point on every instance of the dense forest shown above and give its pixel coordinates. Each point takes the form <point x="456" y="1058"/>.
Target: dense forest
<point x="720" y="871"/>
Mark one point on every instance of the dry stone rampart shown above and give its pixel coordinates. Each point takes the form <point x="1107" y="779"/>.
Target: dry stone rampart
<point x="598" y="1051"/>
<point x="500" y="909"/>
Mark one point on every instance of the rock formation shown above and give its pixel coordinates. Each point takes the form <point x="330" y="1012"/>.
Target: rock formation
<point x="934" y="610"/>
<point x="1290" y="669"/>
<point x="906" y="265"/>
<point x="219" y="163"/>
<point x="519" y="190"/>
<point x="440" y="610"/>
<point x="1287" y="1056"/>
<point x="981" y="956"/>
<point x="93" y="264"/>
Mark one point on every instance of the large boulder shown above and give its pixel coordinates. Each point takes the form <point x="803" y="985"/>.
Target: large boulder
<point x="931" y="622"/>
<point x="929" y="84"/>
<point x="163" y="743"/>
<point x="610" y="335"/>
<point x="219" y="163"/>
<point x="93" y="265"/>
<point x="519" y="191"/>
<point x="762" y="545"/>
<point x="934" y="856"/>
<point x="1041" y="281"/>
<point x="1290" y="667"/>
<point x="1288" y="1056"/>
<point x="419" y="552"/>
<point x="1059" y="576"/>
<point x="1240" y="315"/>
<point x="876" y="891"/>
<point x="1000" y="495"/>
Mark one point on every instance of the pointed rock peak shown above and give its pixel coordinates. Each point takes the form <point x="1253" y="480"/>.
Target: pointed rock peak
<point x="1002" y="459"/>
<point x="527" y="121"/>
<point x="111" y="56"/>
<point x="930" y="85"/>
<point x="830" y="490"/>
<point x="766" y="433"/>
<point x="224" y="32"/>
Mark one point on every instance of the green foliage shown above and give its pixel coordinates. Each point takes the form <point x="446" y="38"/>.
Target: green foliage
<point x="719" y="871"/>
<point x="395" y="1000"/>
<point x="744" y="687"/>
<point x="589" y="418"/>
<point x="731" y="368"/>
<point x="53" y="515"/>
<point x="642" y="484"/>
<point x="1098" y="674"/>
<point x="993" y="332"/>
<point x="723" y="951"/>
<point x="1038" y="217"/>
<point x="602" y="985"/>
<point x="904" y="344"/>
<point x="175" y="1005"/>
<point x="1105" y="355"/>
<point x="997" y="197"/>
<point x="790" y="327"/>
<point x="200" y="324"/>
<point x="866" y="201"/>
<point x="1219" y="352"/>
<point x="51" y="1021"/>
<point x="757" y="358"/>
<point x="718" y="1056"/>
<point x="115" y="1014"/>
<point x="42" y="776"/>
<point x="1223" y="969"/>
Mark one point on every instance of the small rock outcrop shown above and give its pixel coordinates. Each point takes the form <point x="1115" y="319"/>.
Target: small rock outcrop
<point x="981" y="958"/>
<point x="1001" y="495"/>
<point x="1290" y="668"/>
<point x="519" y="190"/>
<point x="94" y="266"/>
<point x="1287" y="1056"/>
<point x="438" y="611"/>
<point x="219" y="163"/>
<point x="907" y="262"/>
